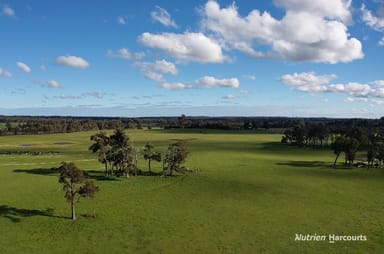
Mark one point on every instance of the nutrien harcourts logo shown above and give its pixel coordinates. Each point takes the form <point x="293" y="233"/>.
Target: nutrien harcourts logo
<point x="331" y="238"/>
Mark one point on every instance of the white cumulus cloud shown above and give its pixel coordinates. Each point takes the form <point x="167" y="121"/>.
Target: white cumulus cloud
<point x="188" y="46"/>
<point x="54" y="84"/>
<point x="209" y="82"/>
<point x="375" y="22"/>
<point x="175" y="86"/>
<point x="73" y="61"/>
<point x="378" y="83"/>
<point x="313" y="31"/>
<point x="161" y="15"/>
<point x="307" y="81"/>
<point x="358" y="90"/>
<point x="8" y="11"/>
<point x="24" y="67"/>
<point x="311" y="82"/>
<point x="125" y="54"/>
<point x="156" y="69"/>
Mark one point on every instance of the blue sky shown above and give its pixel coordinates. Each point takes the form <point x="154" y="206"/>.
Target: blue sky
<point x="214" y="58"/>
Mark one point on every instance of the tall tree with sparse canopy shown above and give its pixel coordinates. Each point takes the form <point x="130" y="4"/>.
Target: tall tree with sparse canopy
<point x="75" y="185"/>
<point x="176" y="155"/>
<point x="338" y="146"/>
<point x="123" y="152"/>
<point x="101" y="145"/>
<point x="149" y="154"/>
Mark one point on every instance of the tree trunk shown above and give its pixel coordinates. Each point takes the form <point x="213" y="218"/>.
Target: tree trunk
<point x="73" y="208"/>
<point x="149" y="166"/>
<point x="106" y="169"/>
<point x="337" y="156"/>
<point x="105" y="164"/>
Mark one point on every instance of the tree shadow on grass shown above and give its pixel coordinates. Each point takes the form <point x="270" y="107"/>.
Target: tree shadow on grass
<point x="315" y="164"/>
<point x="326" y="169"/>
<point x="15" y="214"/>
<point x="99" y="175"/>
<point x="37" y="171"/>
<point x="306" y="164"/>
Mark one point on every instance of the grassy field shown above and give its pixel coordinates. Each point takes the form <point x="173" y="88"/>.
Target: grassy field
<point x="251" y="195"/>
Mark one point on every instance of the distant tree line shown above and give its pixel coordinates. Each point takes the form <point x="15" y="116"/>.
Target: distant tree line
<point x="47" y="125"/>
<point x="14" y="125"/>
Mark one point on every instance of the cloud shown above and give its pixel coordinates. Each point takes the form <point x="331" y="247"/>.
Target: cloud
<point x="158" y="77"/>
<point x="161" y="15"/>
<point x="376" y="23"/>
<point x="229" y="97"/>
<point x="351" y="99"/>
<point x="121" y="20"/>
<point x="209" y="82"/>
<point x="195" y="47"/>
<point x="308" y="31"/>
<point x="43" y="68"/>
<point x="125" y="54"/>
<point x="155" y="70"/>
<point x="378" y="83"/>
<point x="310" y="82"/>
<point x="250" y="77"/>
<point x="5" y="73"/>
<point x="307" y="81"/>
<point x="72" y="61"/>
<point x="379" y="92"/>
<point x="381" y="42"/>
<point x="175" y="86"/>
<point x="54" y="84"/>
<point x="245" y="91"/>
<point x="358" y="90"/>
<point x="204" y="82"/>
<point x="337" y="9"/>
<point x="24" y="67"/>
<point x="8" y="11"/>
<point x="96" y="95"/>
<point x="19" y="91"/>
<point x="376" y="102"/>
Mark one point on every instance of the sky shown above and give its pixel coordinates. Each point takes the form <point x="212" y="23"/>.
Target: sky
<point x="292" y="58"/>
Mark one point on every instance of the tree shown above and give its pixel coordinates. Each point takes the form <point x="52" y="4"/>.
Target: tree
<point x="75" y="185"/>
<point x="176" y="155"/>
<point x="181" y="120"/>
<point x="149" y="154"/>
<point x="101" y="145"/>
<point x="347" y="145"/>
<point x="338" y="146"/>
<point x="123" y="153"/>
<point x="351" y="147"/>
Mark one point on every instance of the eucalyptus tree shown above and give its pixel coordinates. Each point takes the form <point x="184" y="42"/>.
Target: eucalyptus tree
<point x="123" y="152"/>
<point x="149" y="154"/>
<point x="102" y="146"/>
<point x="75" y="185"/>
<point x="176" y="155"/>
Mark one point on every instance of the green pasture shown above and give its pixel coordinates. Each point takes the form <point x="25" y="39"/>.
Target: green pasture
<point x="250" y="194"/>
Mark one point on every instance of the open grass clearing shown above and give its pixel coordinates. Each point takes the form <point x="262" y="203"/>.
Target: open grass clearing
<point x="250" y="195"/>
